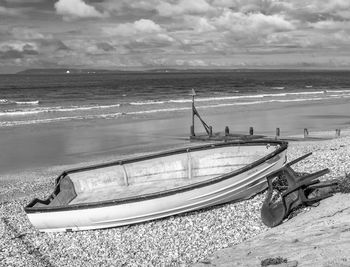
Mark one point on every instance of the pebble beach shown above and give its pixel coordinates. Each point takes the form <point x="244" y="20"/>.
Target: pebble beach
<point x="175" y="241"/>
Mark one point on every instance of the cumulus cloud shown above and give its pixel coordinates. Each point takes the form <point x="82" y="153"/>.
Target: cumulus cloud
<point x="183" y="7"/>
<point x="252" y="23"/>
<point x="147" y="26"/>
<point x="191" y="63"/>
<point x="74" y="9"/>
<point x="24" y="33"/>
<point x="142" y="26"/>
<point x="200" y="24"/>
<point x="328" y="5"/>
<point x="331" y="25"/>
<point x="17" y="50"/>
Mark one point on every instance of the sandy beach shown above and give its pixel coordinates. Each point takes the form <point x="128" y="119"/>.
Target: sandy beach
<point x="178" y="240"/>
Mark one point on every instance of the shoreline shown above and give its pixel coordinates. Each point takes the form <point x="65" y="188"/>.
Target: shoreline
<point x="65" y="143"/>
<point x="179" y="240"/>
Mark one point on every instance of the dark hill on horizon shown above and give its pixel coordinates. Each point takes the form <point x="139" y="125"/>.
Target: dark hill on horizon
<point x="168" y="70"/>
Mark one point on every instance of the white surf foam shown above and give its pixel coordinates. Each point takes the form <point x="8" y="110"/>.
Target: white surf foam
<point x="36" y="102"/>
<point x="151" y="102"/>
<point x="38" y="110"/>
<point x="37" y="121"/>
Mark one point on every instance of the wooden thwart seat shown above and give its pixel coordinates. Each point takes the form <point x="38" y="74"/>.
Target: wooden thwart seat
<point x="295" y="190"/>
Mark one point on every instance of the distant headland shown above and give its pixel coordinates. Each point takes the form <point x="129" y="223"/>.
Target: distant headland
<point x="101" y="71"/>
<point x="67" y="71"/>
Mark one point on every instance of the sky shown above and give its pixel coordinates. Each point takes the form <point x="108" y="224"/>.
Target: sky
<point x="141" y="34"/>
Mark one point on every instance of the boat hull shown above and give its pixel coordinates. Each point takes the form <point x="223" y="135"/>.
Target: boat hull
<point x="236" y="186"/>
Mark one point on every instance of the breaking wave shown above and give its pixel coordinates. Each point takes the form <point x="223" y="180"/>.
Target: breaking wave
<point x="55" y="109"/>
<point x="13" y="102"/>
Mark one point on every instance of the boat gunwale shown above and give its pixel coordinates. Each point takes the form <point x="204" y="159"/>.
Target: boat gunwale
<point x="283" y="146"/>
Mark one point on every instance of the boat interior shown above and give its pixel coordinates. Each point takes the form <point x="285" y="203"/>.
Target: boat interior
<point x="131" y="179"/>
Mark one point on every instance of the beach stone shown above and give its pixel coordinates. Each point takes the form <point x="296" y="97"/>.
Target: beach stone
<point x="318" y="237"/>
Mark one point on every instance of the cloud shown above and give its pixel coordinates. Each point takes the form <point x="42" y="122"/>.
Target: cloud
<point x="105" y="46"/>
<point x="146" y="26"/>
<point x="17" y="50"/>
<point x="53" y="45"/>
<point x="199" y="24"/>
<point x="250" y="28"/>
<point x="24" y="33"/>
<point x="253" y="23"/>
<point x="143" y="35"/>
<point x="142" y="26"/>
<point x="331" y="25"/>
<point x="200" y="33"/>
<point x="183" y="7"/>
<point x="191" y="63"/>
<point x="150" y="43"/>
<point x="74" y="9"/>
<point x="9" y="12"/>
<point x="124" y="5"/>
<point x="328" y="5"/>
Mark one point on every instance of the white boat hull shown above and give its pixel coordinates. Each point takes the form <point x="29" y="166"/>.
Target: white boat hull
<point x="242" y="184"/>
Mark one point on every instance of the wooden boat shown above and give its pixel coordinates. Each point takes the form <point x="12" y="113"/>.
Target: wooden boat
<point x="154" y="186"/>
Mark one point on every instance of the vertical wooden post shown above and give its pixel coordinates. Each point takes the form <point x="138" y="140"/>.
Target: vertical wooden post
<point x="210" y="131"/>
<point x="193" y="113"/>
<point x="192" y="130"/>
<point x="227" y="131"/>
<point x="337" y="132"/>
<point x="278" y="132"/>
<point x="306" y="132"/>
<point x="251" y="130"/>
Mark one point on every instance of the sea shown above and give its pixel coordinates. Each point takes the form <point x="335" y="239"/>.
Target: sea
<point x="44" y="99"/>
<point x="66" y="119"/>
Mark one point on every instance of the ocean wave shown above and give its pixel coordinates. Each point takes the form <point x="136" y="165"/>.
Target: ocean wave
<point x="77" y="108"/>
<point x="156" y="110"/>
<point x="261" y="102"/>
<point x="150" y="102"/>
<point x="53" y="109"/>
<point x="9" y="102"/>
<point x="208" y="99"/>
<point x="4" y="101"/>
<point x="339" y="96"/>
<point x="278" y="87"/>
<point x="19" y="112"/>
<point x="338" y="91"/>
<point x="37" y="121"/>
<point x="298" y="93"/>
<point x="36" y="102"/>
